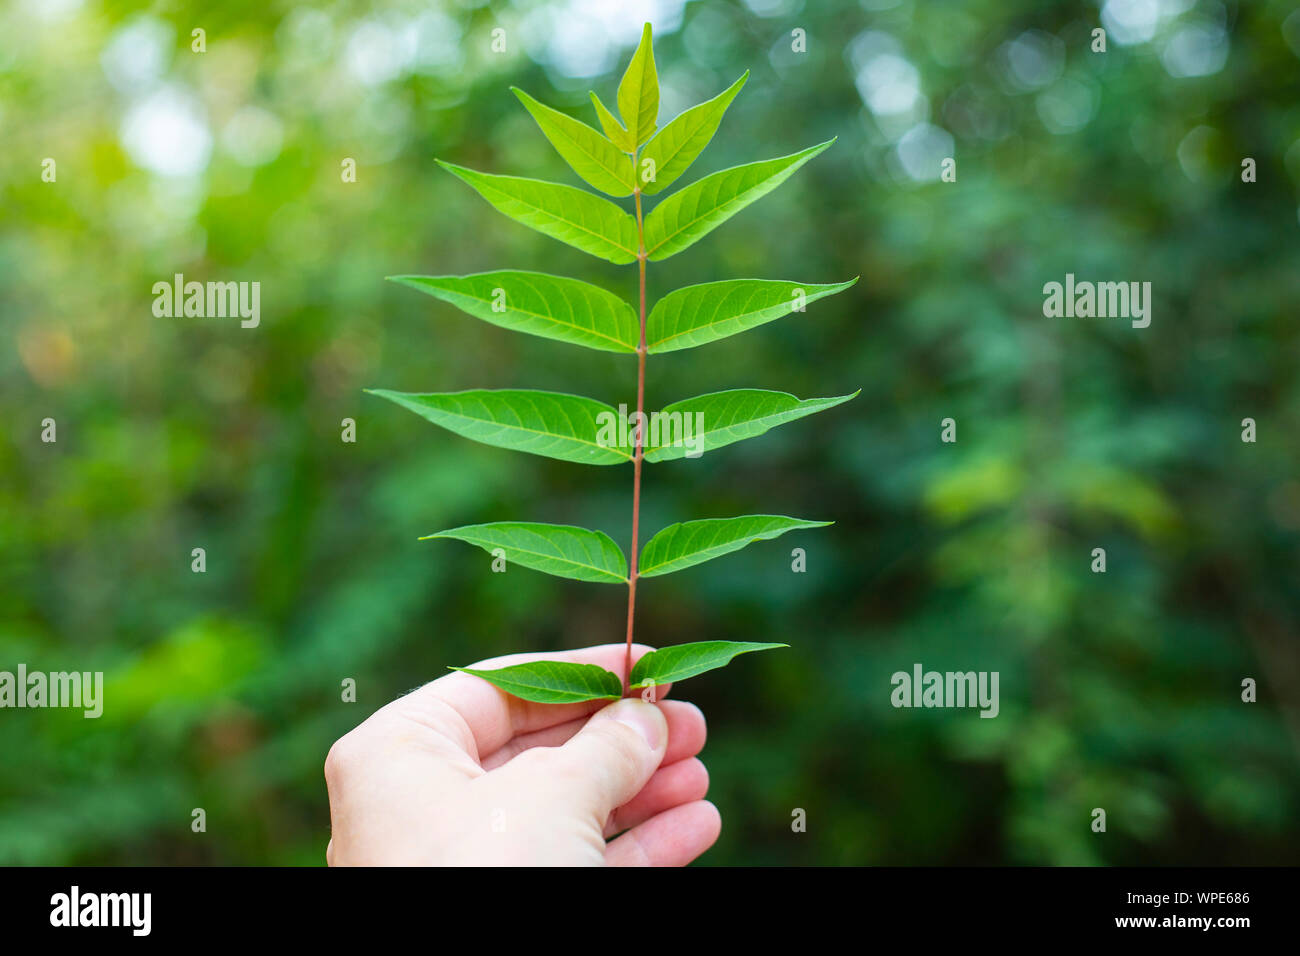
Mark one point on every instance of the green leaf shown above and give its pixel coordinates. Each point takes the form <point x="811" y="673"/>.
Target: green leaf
<point x="692" y="213"/>
<point x="552" y="682"/>
<point x="689" y="543"/>
<point x="638" y="92"/>
<point x="670" y="664"/>
<point x="553" y="307"/>
<point x="677" y="145"/>
<point x="725" y="417"/>
<point x="551" y="424"/>
<point x="704" y="313"/>
<point x="591" y="155"/>
<point x="559" y="549"/>
<point x="566" y="213"/>
<point x="612" y="127"/>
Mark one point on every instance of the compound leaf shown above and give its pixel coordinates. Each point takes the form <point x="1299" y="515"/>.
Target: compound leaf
<point x="551" y="424"/>
<point x="692" y="213"/>
<point x="670" y="664"/>
<point x="559" y="549"/>
<point x="592" y="156"/>
<point x="571" y="215"/>
<point x="677" y="145"/>
<point x="710" y="311"/>
<point x="552" y="682"/>
<point x="689" y="543"/>
<point x="554" y="307"/>
<point x="710" y="421"/>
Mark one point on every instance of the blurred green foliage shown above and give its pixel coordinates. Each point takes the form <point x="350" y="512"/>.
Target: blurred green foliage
<point x="1118" y="690"/>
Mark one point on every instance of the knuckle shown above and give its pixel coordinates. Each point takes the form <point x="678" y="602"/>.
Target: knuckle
<point x="341" y="759"/>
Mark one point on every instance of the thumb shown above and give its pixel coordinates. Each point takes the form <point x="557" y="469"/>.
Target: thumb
<point x="607" y="762"/>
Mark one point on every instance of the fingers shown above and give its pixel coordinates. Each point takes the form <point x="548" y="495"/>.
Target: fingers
<point x="672" y="838"/>
<point x="601" y="767"/>
<point x="672" y="785"/>
<point x="686" y="734"/>
<point x="485" y="718"/>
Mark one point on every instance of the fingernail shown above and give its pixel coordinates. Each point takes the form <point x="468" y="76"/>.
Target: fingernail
<point x="644" y="718"/>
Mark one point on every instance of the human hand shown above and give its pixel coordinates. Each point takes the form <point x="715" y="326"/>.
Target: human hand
<point x="459" y="773"/>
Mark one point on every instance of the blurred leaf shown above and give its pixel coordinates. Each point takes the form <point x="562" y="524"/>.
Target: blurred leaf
<point x="969" y="487"/>
<point x="1121" y="493"/>
<point x="203" y="661"/>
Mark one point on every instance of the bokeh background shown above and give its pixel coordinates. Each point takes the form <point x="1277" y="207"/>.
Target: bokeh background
<point x="1118" y="690"/>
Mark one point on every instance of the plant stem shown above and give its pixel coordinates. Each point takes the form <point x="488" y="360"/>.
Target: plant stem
<point x="638" y="453"/>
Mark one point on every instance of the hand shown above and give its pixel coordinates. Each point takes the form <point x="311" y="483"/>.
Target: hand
<point x="459" y="773"/>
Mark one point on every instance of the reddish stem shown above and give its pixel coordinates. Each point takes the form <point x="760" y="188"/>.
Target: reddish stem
<point x="638" y="453"/>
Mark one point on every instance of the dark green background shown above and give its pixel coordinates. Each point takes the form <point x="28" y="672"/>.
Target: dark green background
<point x="1119" y="691"/>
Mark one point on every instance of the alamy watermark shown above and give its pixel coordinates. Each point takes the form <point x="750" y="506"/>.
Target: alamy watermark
<point x="130" y="910"/>
<point x="208" y="300"/>
<point x="76" y="689"/>
<point x="1102" y="300"/>
<point x="658" y="430"/>
<point x="922" y="688"/>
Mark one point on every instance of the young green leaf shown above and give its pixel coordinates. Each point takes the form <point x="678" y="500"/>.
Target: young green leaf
<point x="726" y="417"/>
<point x="591" y="155"/>
<point x="670" y="664"/>
<point x="566" y="213"/>
<point x="710" y="311"/>
<point x="676" y="146"/>
<point x="638" y="92"/>
<point x="689" y="543"/>
<point x="553" y="307"/>
<point x="612" y="127"/>
<point x="692" y="213"/>
<point x="552" y="682"/>
<point x="559" y="549"/>
<point x="551" y="424"/>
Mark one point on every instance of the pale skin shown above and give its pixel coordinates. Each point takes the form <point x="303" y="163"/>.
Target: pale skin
<point x="459" y="773"/>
